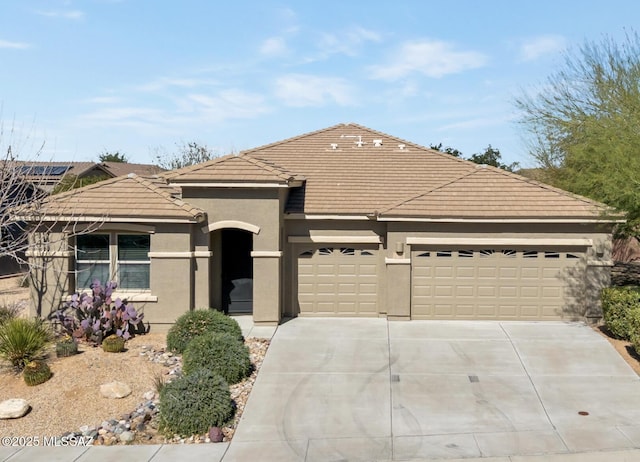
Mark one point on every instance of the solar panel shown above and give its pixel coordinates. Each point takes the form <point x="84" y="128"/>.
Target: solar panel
<point x="44" y="170"/>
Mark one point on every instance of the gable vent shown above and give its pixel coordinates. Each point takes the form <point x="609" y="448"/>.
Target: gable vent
<point x="377" y="143"/>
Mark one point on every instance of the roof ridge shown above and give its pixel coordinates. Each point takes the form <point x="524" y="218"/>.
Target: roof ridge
<point x="426" y="192"/>
<point x="270" y="166"/>
<point x="288" y="140"/>
<point x="194" y="211"/>
<point x="73" y="192"/>
<point x="192" y="168"/>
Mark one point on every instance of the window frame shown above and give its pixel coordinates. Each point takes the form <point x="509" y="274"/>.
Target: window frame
<point x="114" y="261"/>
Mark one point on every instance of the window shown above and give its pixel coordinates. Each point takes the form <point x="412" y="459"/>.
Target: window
<point x="347" y="251"/>
<point x="424" y="254"/>
<point x="509" y="253"/>
<point x="92" y="259"/>
<point x="133" y="261"/>
<point x="325" y="250"/>
<point x="486" y="253"/>
<point x="551" y="255"/>
<point x="443" y="253"/>
<point x="120" y="257"/>
<point x="530" y="254"/>
<point x="465" y="253"/>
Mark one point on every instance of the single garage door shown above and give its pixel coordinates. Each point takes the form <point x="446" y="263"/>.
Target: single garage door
<point x="338" y="281"/>
<point x="495" y="284"/>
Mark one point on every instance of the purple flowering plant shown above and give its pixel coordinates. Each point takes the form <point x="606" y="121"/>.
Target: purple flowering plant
<point x="95" y="316"/>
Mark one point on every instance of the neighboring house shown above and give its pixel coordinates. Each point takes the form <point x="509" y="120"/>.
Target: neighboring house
<point x="46" y="175"/>
<point x="345" y="221"/>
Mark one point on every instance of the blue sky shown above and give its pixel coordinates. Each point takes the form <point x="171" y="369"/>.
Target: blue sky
<point x="139" y="76"/>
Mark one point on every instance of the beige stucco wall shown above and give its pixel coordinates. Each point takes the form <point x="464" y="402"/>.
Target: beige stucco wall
<point x="257" y="207"/>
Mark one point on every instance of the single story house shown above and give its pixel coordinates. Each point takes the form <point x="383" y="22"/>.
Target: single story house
<point x="344" y="221"/>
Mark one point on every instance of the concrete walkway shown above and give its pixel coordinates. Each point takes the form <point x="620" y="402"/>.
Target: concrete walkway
<point x="366" y="389"/>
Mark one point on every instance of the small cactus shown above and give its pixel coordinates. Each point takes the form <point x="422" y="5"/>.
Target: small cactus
<point x="113" y="344"/>
<point x="66" y="346"/>
<point x="36" y="372"/>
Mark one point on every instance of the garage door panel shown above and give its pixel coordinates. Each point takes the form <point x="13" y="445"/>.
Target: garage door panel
<point x="494" y="284"/>
<point x="338" y="281"/>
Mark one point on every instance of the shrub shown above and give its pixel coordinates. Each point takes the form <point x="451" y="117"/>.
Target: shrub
<point x="635" y="343"/>
<point x="192" y="403"/>
<point x="621" y="310"/>
<point x="93" y="317"/>
<point x="23" y="340"/>
<point x="223" y="354"/>
<point x="113" y="344"/>
<point x="198" y="322"/>
<point x="66" y="346"/>
<point x="36" y="372"/>
<point x="9" y="311"/>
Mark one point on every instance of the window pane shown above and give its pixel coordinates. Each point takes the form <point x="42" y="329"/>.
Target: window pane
<point x="133" y="276"/>
<point x="93" y="247"/>
<point x="133" y="247"/>
<point x="87" y="272"/>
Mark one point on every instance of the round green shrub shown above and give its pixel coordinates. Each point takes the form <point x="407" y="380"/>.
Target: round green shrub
<point x="635" y="343"/>
<point x="198" y="322"/>
<point x="193" y="403"/>
<point x="113" y="344"/>
<point x="621" y="310"/>
<point x="23" y="340"/>
<point x="222" y="353"/>
<point x="36" y="372"/>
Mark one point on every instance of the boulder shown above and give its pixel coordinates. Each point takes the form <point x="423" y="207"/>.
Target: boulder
<point x="115" y="390"/>
<point x="14" y="408"/>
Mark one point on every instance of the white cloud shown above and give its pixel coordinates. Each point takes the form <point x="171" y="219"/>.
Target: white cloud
<point x="431" y="58"/>
<point x="302" y="90"/>
<point x="274" y="46"/>
<point x="68" y="14"/>
<point x="536" y="47"/>
<point x="166" y="82"/>
<point x="102" y="100"/>
<point x="14" y="45"/>
<point x="348" y="42"/>
<point x="228" y="104"/>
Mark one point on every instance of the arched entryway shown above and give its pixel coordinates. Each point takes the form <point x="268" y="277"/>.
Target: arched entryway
<point x="236" y="271"/>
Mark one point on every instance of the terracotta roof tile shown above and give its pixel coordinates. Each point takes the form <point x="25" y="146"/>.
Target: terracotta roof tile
<point x="124" y="168"/>
<point x="231" y="168"/>
<point x="131" y="197"/>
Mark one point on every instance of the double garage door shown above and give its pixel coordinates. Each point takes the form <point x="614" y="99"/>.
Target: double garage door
<point x="492" y="283"/>
<point x="495" y="283"/>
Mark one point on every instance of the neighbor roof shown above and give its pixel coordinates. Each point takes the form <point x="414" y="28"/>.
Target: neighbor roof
<point x="125" y="198"/>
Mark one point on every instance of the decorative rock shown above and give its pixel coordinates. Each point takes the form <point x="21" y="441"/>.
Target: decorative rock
<point x="149" y="395"/>
<point x="115" y="390"/>
<point x="14" y="408"/>
<point x="215" y="434"/>
<point x="127" y="437"/>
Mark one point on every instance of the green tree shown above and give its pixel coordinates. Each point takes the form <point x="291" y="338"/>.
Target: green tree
<point x="70" y="182"/>
<point x="187" y="154"/>
<point x="447" y="150"/>
<point x="584" y="124"/>
<point x="492" y="156"/>
<point x="116" y="156"/>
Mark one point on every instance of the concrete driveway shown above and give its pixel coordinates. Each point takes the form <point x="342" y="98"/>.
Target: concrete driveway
<point x="368" y="389"/>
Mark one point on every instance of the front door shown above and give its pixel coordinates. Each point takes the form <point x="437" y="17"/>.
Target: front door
<point x="237" y="271"/>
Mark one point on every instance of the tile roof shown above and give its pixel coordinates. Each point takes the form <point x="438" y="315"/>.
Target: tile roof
<point x="231" y="168"/>
<point x="125" y="197"/>
<point x="124" y="168"/>
<point x="347" y="172"/>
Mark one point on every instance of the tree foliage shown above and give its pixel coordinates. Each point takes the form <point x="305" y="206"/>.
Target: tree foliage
<point x="71" y="181"/>
<point x="584" y="124"/>
<point x="116" y="156"/>
<point x="190" y="153"/>
<point x="490" y="156"/>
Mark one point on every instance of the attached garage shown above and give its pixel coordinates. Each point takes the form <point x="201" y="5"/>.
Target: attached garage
<point x="496" y="283"/>
<point x="338" y="281"/>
